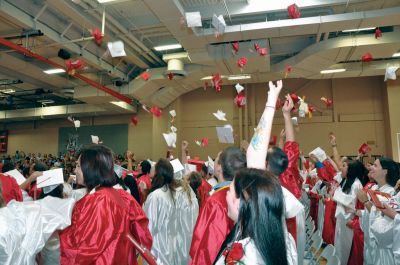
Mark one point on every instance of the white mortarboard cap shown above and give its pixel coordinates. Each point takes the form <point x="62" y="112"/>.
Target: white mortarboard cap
<point x="16" y="175"/>
<point x="172" y="113"/>
<point x="193" y="19"/>
<point x="174" y="129"/>
<point x="170" y="139"/>
<point x="77" y="123"/>
<point x="219" y="24"/>
<point x="220" y="115"/>
<point x="119" y="170"/>
<point x="50" y="178"/>
<point x="239" y="88"/>
<point x="225" y="134"/>
<point x="95" y="139"/>
<point x="319" y="153"/>
<point x="116" y="48"/>
<point x="391" y="73"/>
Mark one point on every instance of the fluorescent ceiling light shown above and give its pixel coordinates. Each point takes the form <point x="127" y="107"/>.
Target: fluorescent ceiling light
<point x="46" y="101"/>
<point x="123" y="104"/>
<point x="107" y="1"/>
<point x="356" y="30"/>
<point x="238" y="77"/>
<point x="168" y="47"/>
<point x="7" y="91"/>
<point x="397" y="54"/>
<point x="331" y="71"/>
<point x="54" y="71"/>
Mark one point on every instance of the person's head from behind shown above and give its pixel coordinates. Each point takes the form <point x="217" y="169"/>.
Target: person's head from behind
<point x="164" y="175"/>
<point x="228" y="163"/>
<point x="38" y="166"/>
<point x="194" y="179"/>
<point x="8" y="166"/>
<point x="354" y="170"/>
<point x="255" y="203"/>
<point x="277" y="161"/>
<point x="145" y="167"/>
<point x="385" y="171"/>
<point x="95" y="167"/>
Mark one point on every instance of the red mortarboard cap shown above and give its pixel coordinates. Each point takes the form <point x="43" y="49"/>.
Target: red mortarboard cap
<point x="156" y="111"/>
<point x="98" y="38"/>
<point x="134" y="120"/>
<point x="73" y="65"/>
<point x="293" y="11"/>
<point x="256" y="46"/>
<point x="262" y="51"/>
<point x="170" y="76"/>
<point x="295" y="98"/>
<point x="364" y="148"/>
<point x="145" y="76"/>
<point x="241" y="62"/>
<point x="273" y="139"/>
<point x="204" y="141"/>
<point x="328" y="102"/>
<point x="367" y="57"/>
<point x="235" y="46"/>
<point x="240" y="100"/>
<point x="378" y="33"/>
<point x="217" y="81"/>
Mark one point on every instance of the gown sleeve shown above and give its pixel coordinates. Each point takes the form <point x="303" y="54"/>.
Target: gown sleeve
<point x="209" y="233"/>
<point x="290" y="178"/>
<point x="396" y="239"/>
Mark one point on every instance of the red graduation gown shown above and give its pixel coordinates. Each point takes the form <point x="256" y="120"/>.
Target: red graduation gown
<point x="291" y="178"/>
<point x="99" y="227"/>
<point x="328" y="233"/>
<point x="203" y="191"/>
<point x="146" y="180"/>
<point x="11" y="190"/>
<point x="212" y="227"/>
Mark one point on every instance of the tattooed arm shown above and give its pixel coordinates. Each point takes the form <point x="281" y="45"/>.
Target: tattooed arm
<point x="257" y="151"/>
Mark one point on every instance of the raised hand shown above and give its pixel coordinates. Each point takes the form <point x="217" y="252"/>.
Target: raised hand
<point x="274" y="91"/>
<point x="185" y="145"/>
<point x="332" y="139"/>
<point x="288" y="106"/>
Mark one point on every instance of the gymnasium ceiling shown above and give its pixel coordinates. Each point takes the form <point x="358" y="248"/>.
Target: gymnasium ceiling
<point x="309" y="44"/>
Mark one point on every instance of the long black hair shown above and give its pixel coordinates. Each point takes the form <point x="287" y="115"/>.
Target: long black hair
<point x="146" y="167"/>
<point x="355" y="170"/>
<point x="164" y="176"/>
<point x="261" y="214"/>
<point x="392" y="170"/>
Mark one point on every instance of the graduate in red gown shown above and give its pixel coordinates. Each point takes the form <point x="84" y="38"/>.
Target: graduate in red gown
<point x="205" y="187"/>
<point x="11" y="190"/>
<point x="103" y="218"/>
<point x="144" y="180"/>
<point x="213" y="223"/>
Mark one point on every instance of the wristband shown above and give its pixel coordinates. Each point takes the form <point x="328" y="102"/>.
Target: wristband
<point x="269" y="107"/>
<point x="334" y="145"/>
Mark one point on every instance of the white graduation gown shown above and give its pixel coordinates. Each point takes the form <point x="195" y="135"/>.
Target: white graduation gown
<point x="343" y="234"/>
<point x="396" y="239"/>
<point x="379" y="247"/>
<point x="171" y="224"/>
<point x="26" y="226"/>
<point x="294" y="208"/>
<point x="321" y="206"/>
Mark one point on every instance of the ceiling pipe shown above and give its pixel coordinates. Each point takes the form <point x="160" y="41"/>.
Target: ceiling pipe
<point x="91" y="82"/>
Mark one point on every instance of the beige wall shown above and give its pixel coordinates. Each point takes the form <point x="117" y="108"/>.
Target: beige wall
<point x="357" y="117"/>
<point x="392" y="120"/>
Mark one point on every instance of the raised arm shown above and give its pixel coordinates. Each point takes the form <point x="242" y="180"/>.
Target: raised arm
<point x="336" y="156"/>
<point x="286" y="109"/>
<point x="282" y="139"/>
<point x="257" y="151"/>
<point x="185" y="152"/>
<point x="129" y="157"/>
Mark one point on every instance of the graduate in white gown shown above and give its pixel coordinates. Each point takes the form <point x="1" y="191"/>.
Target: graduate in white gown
<point x="353" y="174"/>
<point x="26" y="226"/>
<point x="172" y="210"/>
<point x="255" y="197"/>
<point x="380" y="228"/>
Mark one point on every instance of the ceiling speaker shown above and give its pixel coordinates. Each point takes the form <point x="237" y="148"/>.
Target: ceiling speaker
<point x="64" y="54"/>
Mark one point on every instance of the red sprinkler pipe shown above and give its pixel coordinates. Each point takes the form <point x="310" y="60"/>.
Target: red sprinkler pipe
<point x="89" y="81"/>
